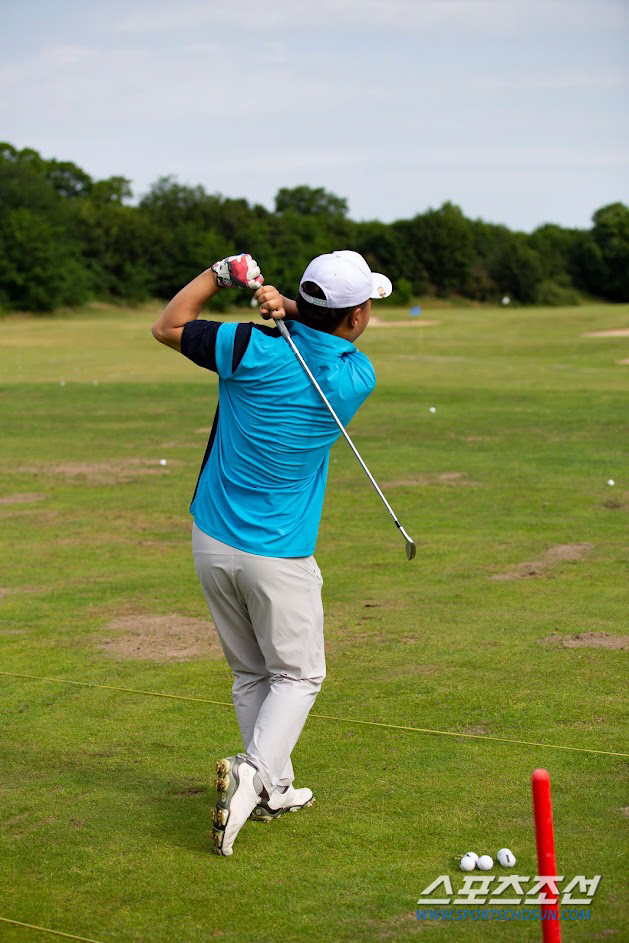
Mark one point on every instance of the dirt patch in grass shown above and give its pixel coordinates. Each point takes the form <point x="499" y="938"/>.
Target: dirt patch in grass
<point x="612" y="505"/>
<point x="613" y="332"/>
<point x="478" y="731"/>
<point x="414" y="322"/>
<point x="25" y="497"/>
<point x="590" y="640"/>
<point x="553" y="556"/>
<point x="6" y="591"/>
<point x="25" y="824"/>
<point x="474" y="438"/>
<point x="112" y="472"/>
<point x="161" y="638"/>
<point x="397" y="927"/>
<point x="356" y="637"/>
<point x="623" y="363"/>
<point x="457" y="479"/>
<point x="193" y="791"/>
<point x="567" y="553"/>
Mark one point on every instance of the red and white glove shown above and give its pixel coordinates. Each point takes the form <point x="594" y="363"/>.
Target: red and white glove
<point x="240" y="270"/>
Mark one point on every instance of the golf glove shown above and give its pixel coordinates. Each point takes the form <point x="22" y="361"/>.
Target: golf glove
<point x="240" y="270"/>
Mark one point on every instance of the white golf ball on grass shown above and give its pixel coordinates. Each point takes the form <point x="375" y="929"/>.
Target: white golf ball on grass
<point x="506" y="858"/>
<point x="468" y="862"/>
<point x="485" y="863"/>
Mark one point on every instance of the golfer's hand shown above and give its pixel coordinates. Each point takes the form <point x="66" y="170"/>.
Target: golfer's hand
<point x="271" y="302"/>
<point x="240" y="270"/>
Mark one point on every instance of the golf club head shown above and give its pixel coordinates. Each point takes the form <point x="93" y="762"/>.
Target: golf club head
<point x="411" y="549"/>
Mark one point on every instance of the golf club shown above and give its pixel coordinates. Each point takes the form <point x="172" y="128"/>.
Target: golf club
<point x="410" y="544"/>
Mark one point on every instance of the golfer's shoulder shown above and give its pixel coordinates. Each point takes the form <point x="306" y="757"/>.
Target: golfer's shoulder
<point x="246" y="342"/>
<point x="359" y="369"/>
<point x="253" y="348"/>
<point x="259" y="339"/>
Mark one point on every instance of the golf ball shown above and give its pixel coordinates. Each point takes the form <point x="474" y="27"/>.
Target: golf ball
<point x="484" y="863"/>
<point x="467" y="863"/>
<point x="432" y="409"/>
<point x="610" y="481"/>
<point x="506" y="858"/>
<point x="163" y="461"/>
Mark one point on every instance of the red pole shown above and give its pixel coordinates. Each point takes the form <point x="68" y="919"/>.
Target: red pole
<point x="545" y="841"/>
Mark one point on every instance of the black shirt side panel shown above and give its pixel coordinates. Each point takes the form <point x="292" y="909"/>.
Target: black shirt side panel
<point x="241" y="342"/>
<point x="208" y="450"/>
<point x="198" y="343"/>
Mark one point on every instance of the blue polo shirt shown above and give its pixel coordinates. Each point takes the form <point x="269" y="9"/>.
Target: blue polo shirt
<point x="263" y="476"/>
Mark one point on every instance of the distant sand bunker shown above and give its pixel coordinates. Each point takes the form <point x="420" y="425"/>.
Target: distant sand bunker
<point x="560" y="553"/>
<point x="412" y="322"/>
<point x="458" y="479"/>
<point x="615" y="332"/>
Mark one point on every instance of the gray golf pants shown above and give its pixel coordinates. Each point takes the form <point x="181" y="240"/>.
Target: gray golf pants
<point x="269" y="618"/>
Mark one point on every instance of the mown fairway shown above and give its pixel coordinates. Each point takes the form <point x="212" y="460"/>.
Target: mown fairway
<point x="105" y="794"/>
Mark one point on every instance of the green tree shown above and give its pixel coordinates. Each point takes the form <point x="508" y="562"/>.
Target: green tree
<point x="111" y="190"/>
<point x="610" y="234"/>
<point x="516" y="268"/>
<point x="310" y="201"/>
<point x="440" y="245"/>
<point x="40" y="269"/>
<point x="65" y="237"/>
<point x="41" y="261"/>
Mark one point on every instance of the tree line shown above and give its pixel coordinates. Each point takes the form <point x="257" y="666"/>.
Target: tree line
<point x="66" y="238"/>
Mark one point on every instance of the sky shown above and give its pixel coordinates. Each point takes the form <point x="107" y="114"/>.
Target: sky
<point x="515" y="110"/>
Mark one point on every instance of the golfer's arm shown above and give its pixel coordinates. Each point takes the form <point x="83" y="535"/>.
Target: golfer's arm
<point x="290" y="307"/>
<point x="184" y="307"/>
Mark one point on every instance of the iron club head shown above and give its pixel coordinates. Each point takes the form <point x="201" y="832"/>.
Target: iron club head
<point x="411" y="549"/>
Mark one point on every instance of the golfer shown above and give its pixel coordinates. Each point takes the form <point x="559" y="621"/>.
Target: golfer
<point x="258" y="502"/>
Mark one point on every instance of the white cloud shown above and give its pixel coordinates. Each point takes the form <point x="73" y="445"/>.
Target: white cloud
<point x="493" y="16"/>
<point x="286" y="159"/>
<point x="477" y="156"/>
<point x="539" y="80"/>
<point x="199" y="81"/>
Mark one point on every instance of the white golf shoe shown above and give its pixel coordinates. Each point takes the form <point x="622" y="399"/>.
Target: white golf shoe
<point x="237" y="798"/>
<point x="291" y="800"/>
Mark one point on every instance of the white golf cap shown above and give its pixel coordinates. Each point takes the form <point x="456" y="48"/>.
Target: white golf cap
<point x="345" y="279"/>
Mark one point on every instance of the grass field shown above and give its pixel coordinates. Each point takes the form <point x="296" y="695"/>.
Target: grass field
<point x="510" y="623"/>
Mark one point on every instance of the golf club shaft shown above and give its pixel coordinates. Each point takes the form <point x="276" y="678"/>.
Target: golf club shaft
<point x="284" y="332"/>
